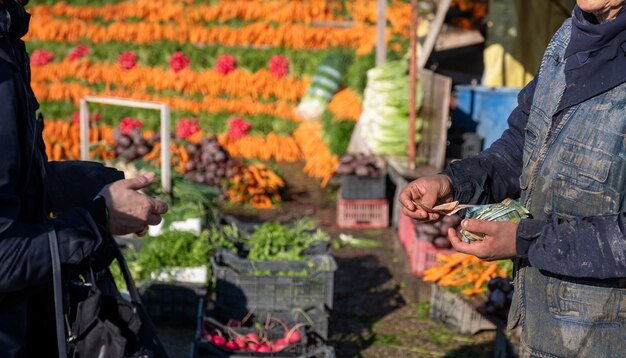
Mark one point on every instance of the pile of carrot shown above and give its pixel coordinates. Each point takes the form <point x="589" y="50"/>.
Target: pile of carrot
<point x="279" y="11"/>
<point x="60" y="91"/>
<point x="178" y="156"/>
<point x="346" y="104"/>
<point x="465" y="272"/>
<point x="239" y="83"/>
<point x="273" y="146"/>
<point x="62" y="140"/>
<point x="163" y="11"/>
<point x="257" y="185"/>
<point x="258" y="34"/>
<point x="320" y="162"/>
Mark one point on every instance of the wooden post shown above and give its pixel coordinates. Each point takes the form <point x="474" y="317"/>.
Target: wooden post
<point x="412" y="83"/>
<point x="381" y="26"/>
<point x="166" y="166"/>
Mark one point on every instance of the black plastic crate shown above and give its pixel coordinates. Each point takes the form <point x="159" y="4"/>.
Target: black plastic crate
<point x="172" y="302"/>
<point x="246" y="229"/>
<point x="315" y="317"/>
<point x="268" y="285"/>
<point x="363" y="187"/>
<point x="204" y="350"/>
<point x="213" y="317"/>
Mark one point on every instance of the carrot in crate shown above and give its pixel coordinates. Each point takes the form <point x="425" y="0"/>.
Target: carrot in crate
<point x="467" y="273"/>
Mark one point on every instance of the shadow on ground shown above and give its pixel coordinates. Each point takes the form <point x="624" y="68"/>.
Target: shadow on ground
<point x="364" y="293"/>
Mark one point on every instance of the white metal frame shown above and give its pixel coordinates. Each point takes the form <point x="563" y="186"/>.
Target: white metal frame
<point x="164" y="108"/>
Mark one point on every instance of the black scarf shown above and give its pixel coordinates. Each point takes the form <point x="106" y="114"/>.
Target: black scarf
<point x="595" y="57"/>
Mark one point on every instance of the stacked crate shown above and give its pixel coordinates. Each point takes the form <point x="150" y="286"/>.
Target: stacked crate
<point x="422" y="254"/>
<point x="362" y="202"/>
<point x="295" y="292"/>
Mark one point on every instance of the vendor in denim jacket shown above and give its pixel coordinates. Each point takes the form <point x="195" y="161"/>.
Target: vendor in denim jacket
<point x="564" y="157"/>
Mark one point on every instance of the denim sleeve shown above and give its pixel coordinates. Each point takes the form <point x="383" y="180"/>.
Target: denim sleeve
<point x="493" y="175"/>
<point x="588" y="247"/>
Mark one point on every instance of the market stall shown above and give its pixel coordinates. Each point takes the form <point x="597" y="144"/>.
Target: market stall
<point x="283" y="132"/>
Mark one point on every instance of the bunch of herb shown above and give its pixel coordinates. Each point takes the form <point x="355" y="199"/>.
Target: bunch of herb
<point x="188" y="199"/>
<point x="177" y="249"/>
<point x="275" y="242"/>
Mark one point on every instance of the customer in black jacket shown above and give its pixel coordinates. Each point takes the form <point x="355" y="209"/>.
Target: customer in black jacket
<point x="27" y="181"/>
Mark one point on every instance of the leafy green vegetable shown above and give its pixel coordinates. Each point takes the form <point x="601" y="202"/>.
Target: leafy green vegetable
<point x="176" y="249"/>
<point x="275" y="242"/>
<point x="188" y="198"/>
<point x="336" y="133"/>
<point x="385" y="116"/>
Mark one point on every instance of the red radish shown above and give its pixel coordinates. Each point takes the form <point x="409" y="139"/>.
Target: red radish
<point x="264" y="348"/>
<point x="280" y="344"/>
<point x="293" y="335"/>
<point x="253" y="337"/>
<point x="253" y="346"/>
<point x="232" y="345"/>
<point x="241" y="341"/>
<point x="219" y="341"/>
<point x="282" y="341"/>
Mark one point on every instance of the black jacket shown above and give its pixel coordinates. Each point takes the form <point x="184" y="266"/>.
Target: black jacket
<point x="26" y="181"/>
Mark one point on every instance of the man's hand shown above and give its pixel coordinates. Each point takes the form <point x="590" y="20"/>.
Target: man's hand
<point x="498" y="243"/>
<point x="429" y="191"/>
<point x="131" y="211"/>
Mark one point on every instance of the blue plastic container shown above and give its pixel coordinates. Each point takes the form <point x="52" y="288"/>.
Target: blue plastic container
<point x="465" y="115"/>
<point x="484" y="110"/>
<point x="495" y="108"/>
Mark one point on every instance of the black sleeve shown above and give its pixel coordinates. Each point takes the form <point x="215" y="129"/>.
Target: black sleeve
<point x="493" y="175"/>
<point x="24" y="247"/>
<point x="76" y="183"/>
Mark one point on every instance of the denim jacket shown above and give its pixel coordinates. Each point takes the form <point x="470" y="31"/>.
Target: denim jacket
<point x="569" y="169"/>
<point x="574" y="167"/>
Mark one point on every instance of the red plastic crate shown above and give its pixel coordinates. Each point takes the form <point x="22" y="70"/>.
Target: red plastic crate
<point x="423" y="255"/>
<point x="362" y="214"/>
<point x="406" y="229"/>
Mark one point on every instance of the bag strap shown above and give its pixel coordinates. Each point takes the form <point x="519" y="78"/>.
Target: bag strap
<point x="128" y="278"/>
<point x="58" y="292"/>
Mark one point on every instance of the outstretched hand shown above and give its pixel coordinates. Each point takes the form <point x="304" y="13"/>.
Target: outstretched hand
<point x="131" y="211"/>
<point x="498" y="243"/>
<point x="428" y="191"/>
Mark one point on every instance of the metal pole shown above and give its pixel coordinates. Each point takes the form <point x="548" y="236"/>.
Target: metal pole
<point x="84" y="130"/>
<point x="166" y="164"/>
<point x="412" y="83"/>
<point x="381" y="26"/>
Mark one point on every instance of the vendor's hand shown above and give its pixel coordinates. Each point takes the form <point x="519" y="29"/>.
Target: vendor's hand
<point x="498" y="243"/>
<point x="131" y="211"/>
<point x="428" y="190"/>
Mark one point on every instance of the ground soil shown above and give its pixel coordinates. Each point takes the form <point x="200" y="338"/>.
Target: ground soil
<point x="380" y="309"/>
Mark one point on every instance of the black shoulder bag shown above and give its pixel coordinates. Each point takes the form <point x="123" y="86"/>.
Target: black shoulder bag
<point x="94" y="320"/>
